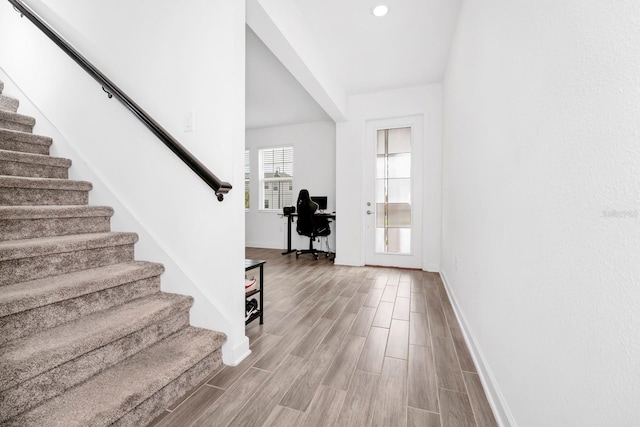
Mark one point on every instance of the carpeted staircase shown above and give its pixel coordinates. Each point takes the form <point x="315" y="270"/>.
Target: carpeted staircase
<point x="86" y="336"/>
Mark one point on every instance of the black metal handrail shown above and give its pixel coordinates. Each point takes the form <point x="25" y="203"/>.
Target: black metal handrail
<point x="220" y="187"/>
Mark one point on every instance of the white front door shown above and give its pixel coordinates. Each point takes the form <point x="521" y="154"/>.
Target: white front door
<point x="393" y="192"/>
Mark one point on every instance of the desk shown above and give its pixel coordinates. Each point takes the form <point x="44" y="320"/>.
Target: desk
<point x="328" y="215"/>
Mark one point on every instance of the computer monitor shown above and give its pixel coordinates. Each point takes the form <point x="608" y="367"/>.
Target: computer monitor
<point x="321" y="201"/>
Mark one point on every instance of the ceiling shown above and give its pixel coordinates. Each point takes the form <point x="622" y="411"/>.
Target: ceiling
<point x="407" y="47"/>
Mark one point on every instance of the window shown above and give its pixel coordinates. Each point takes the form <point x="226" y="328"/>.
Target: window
<point x="247" y="174"/>
<point x="276" y="175"/>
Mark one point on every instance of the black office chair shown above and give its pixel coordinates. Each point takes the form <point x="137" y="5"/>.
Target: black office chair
<point x="310" y="225"/>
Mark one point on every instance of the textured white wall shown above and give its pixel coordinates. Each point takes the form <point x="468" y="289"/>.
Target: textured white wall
<point x="350" y="139"/>
<point x="541" y="202"/>
<point x="170" y="60"/>
<point x="314" y="168"/>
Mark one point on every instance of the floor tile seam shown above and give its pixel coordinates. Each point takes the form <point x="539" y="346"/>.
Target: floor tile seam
<point x="259" y="388"/>
<point x="425" y="410"/>
<point x="295" y="378"/>
<point x="438" y="336"/>
<point x="350" y="376"/>
<point x="455" y="350"/>
<point x="399" y="318"/>
<point x="238" y="375"/>
<point x="475" y="417"/>
<point x="437" y="377"/>
<point x="397" y="358"/>
<point x="435" y="372"/>
<point x="455" y="391"/>
<point x="367" y="372"/>
<point x="420" y="345"/>
<point x="257" y="340"/>
<point x="197" y="389"/>
<point x="294" y="344"/>
<point x="405" y="397"/>
<point x="466" y="386"/>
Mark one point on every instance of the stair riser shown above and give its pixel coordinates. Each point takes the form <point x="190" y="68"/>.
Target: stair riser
<point x="11" y="168"/>
<point x="41" y="196"/>
<point x="11" y="125"/>
<point x="23" y="269"/>
<point x="31" y="321"/>
<point x="8" y="104"/>
<point x="15" y="229"/>
<point x="23" y="146"/>
<point x="55" y="381"/>
<point x="152" y="407"/>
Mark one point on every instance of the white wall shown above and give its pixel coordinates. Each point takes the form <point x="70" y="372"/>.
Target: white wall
<point x="314" y="154"/>
<point x="541" y="231"/>
<point x="350" y="139"/>
<point x="170" y="60"/>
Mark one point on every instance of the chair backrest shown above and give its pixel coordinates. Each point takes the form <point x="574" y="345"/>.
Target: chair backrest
<point x="308" y="223"/>
<point x="305" y="225"/>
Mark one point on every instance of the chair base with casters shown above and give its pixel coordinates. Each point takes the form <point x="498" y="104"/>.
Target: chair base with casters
<point x="315" y="252"/>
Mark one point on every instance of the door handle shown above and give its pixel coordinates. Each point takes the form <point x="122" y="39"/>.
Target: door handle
<point x="369" y="212"/>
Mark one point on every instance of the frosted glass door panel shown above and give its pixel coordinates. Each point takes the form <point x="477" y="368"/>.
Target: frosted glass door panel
<point x="393" y="191"/>
<point x="396" y="240"/>
<point x="394" y="166"/>
<point x="399" y="141"/>
<point x="397" y="215"/>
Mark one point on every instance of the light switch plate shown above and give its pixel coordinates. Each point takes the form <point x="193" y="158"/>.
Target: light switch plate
<point x="188" y="123"/>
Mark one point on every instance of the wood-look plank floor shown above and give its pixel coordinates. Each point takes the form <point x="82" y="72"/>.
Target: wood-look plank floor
<point x="344" y="346"/>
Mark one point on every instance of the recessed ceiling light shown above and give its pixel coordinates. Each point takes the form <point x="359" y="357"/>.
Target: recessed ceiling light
<point x="380" y="10"/>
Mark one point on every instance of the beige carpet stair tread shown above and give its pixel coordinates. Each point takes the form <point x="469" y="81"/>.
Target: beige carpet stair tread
<point x="36" y="159"/>
<point x="105" y="398"/>
<point x="9" y="104"/>
<point x="17" y="118"/>
<point x="27" y="357"/>
<point x="16" y="135"/>
<point x="15" y="249"/>
<point x="44" y="183"/>
<point x="53" y="211"/>
<point x="40" y="292"/>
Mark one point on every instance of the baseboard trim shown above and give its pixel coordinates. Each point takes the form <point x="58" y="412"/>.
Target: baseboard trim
<point x="263" y="245"/>
<point x="494" y="394"/>
<point x="232" y="356"/>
